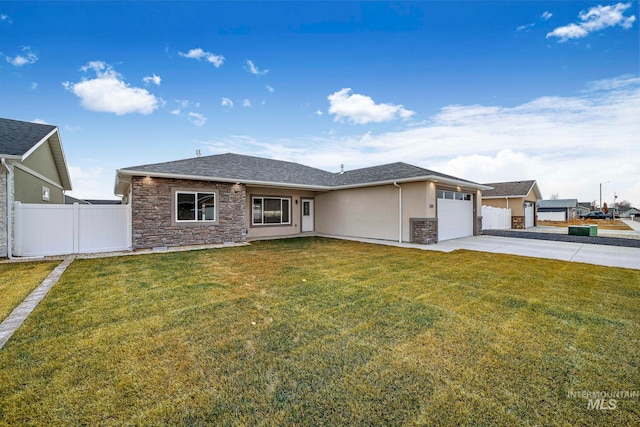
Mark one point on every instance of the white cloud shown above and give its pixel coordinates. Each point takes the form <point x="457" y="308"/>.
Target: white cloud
<point x="156" y="80"/>
<point x="246" y="103"/>
<point x="90" y="183"/>
<point x="34" y="85"/>
<point x="568" y="144"/>
<point x="270" y="89"/>
<point x="199" y="54"/>
<point x="39" y="121"/>
<point x="6" y="19"/>
<point x="26" y="58"/>
<point x="197" y="119"/>
<point x="361" y="109"/>
<point x="525" y="27"/>
<point x="107" y="92"/>
<point x="318" y="113"/>
<point x="546" y="15"/>
<point x="251" y="67"/>
<point x="595" y="19"/>
<point x="226" y="103"/>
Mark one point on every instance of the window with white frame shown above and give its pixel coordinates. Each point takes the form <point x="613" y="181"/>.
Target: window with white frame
<point x="271" y="210"/>
<point x="453" y="195"/>
<point x="192" y="206"/>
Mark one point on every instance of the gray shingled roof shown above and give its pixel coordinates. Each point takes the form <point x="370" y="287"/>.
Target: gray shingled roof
<point x="236" y="167"/>
<point x="509" y="189"/>
<point x="558" y="203"/>
<point x="242" y="168"/>
<point x="388" y="172"/>
<point x="17" y="137"/>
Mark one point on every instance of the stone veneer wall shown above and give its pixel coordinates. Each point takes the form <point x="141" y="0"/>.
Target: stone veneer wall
<point x="151" y="207"/>
<point x="3" y="212"/>
<point x="424" y="231"/>
<point x="517" y="222"/>
<point x="478" y="230"/>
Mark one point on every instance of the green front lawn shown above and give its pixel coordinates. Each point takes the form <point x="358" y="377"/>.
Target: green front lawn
<point x="326" y="332"/>
<point x="18" y="279"/>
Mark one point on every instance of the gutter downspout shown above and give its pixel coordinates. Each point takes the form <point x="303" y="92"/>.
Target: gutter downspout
<point x="9" y="181"/>
<point x="399" y="211"/>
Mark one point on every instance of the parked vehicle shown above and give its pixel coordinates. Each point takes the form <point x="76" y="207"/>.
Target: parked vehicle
<point x="596" y="215"/>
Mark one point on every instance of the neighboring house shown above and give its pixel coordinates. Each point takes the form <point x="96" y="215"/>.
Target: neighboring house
<point x="557" y="210"/>
<point x="33" y="170"/>
<point x="234" y="198"/>
<point x="519" y="196"/>
<point x="586" y="205"/>
<point x="627" y="212"/>
<point x="582" y="210"/>
<point x="68" y="200"/>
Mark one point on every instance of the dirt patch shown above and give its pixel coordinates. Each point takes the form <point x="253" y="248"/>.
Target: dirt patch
<point x="604" y="224"/>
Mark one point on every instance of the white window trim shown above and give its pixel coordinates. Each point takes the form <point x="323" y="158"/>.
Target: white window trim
<point x="263" y="223"/>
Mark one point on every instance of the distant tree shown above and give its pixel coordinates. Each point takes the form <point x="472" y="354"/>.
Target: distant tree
<point x="554" y="196"/>
<point x="605" y="209"/>
<point x="625" y="204"/>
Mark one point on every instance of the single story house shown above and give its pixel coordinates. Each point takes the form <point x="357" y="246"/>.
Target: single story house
<point x="557" y="210"/>
<point x="235" y="198"/>
<point x="519" y="196"/>
<point x="581" y="209"/>
<point x="628" y="212"/>
<point x="33" y="170"/>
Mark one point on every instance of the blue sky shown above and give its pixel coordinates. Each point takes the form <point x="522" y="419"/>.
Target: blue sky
<point x="487" y="91"/>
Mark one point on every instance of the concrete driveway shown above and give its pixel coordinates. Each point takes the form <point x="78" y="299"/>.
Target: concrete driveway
<point x="613" y="256"/>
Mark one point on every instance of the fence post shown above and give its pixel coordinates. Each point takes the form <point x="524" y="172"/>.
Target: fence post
<point x="17" y="229"/>
<point x="76" y="228"/>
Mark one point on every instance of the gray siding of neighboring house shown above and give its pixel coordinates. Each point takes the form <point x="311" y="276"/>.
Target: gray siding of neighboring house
<point x="3" y="212"/>
<point x="152" y="207"/>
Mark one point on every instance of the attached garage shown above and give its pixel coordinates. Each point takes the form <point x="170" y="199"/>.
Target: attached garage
<point x="455" y="215"/>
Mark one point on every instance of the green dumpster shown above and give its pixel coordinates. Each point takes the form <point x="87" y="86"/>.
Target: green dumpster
<point x="583" y="230"/>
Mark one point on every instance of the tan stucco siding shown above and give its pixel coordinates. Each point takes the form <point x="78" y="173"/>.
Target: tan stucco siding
<point x="28" y="189"/>
<point x="370" y="212"/>
<point x="42" y="161"/>
<point x="263" y="231"/>
<point x="415" y="204"/>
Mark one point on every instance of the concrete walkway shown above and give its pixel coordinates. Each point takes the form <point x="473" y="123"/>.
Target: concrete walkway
<point x="21" y="312"/>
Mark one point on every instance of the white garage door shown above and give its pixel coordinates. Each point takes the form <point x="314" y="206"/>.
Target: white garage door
<point x="528" y="215"/>
<point x="551" y="216"/>
<point x="455" y="215"/>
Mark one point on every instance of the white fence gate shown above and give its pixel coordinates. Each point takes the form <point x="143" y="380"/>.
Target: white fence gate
<point x="495" y="218"/>
<point x="41" y="230"/>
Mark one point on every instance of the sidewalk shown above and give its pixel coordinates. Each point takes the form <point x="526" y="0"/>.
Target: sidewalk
<point x="21" y="312"/>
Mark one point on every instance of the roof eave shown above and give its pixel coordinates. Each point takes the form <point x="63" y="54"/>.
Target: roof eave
<point x="505" y="197"/>
<point x="58" y="156"/>
<point x="432" y="178"/>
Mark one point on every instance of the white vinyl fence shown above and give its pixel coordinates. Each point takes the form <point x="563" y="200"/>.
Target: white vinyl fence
<point x="41" y="230"/>
<point x="495" y="218"/>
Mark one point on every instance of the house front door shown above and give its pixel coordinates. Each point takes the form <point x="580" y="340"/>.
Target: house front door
<point x="307" y="215"/>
